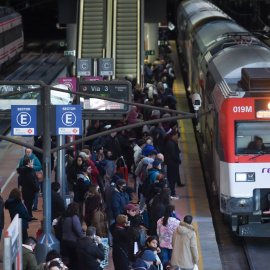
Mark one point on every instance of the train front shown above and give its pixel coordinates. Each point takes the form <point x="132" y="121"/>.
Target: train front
<point x="245" y="167"/>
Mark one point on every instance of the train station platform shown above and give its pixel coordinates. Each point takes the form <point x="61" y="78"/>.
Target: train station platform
<point x="193" y="198"/>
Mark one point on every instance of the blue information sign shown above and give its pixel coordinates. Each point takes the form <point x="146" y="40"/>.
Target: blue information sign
<point x="23" y="120"/>
<point x="68" y="120"/>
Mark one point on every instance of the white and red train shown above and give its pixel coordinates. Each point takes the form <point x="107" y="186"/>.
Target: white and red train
<point x="230" y="69"/>
<point x="11" y="36"/>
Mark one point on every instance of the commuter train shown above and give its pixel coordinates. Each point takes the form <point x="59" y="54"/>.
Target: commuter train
<point x="11" y="36"/>
<point x="230" y="69"/>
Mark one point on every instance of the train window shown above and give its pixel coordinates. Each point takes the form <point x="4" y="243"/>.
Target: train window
<point x="252" y="138"/>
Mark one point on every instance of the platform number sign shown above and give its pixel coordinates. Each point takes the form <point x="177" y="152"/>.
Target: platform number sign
<point x="106" y="66"/>
<point x="69" y="120"/>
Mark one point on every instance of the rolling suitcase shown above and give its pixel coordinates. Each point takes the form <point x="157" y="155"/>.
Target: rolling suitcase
<point x="121" y="167"/>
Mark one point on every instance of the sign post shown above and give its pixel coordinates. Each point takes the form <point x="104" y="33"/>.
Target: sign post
<point x="23" y="120"/>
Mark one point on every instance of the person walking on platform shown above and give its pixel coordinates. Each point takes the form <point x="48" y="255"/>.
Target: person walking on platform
<point x="112" y="151"/>
<point x="184" y="243"/>
<point x="36" y="167"/>
<point x="15" y="206"/>
<point x="28" y="183"/>
<point x="172" y="160"/>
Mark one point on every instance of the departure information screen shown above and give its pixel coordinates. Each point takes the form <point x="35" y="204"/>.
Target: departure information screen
<point x="120" y="90"/>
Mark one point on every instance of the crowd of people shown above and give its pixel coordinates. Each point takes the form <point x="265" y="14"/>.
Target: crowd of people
<point x="139" y="221"/>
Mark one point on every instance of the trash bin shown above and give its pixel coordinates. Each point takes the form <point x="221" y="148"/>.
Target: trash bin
<point x="69" y="199"/>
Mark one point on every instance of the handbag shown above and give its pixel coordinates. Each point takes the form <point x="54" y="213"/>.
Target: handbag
<point x="39" y="175"/>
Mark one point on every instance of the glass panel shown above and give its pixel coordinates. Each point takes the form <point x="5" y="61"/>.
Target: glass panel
<point x="252" y="138"/>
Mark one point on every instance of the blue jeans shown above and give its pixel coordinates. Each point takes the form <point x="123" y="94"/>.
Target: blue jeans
<point x="167" y="254"/>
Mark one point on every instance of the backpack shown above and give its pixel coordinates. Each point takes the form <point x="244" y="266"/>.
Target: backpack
<point x="146" y="187"/>
<point x="144" y="172"/>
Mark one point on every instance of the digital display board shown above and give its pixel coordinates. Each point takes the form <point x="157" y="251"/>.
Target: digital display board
<point x="120" y="90"/>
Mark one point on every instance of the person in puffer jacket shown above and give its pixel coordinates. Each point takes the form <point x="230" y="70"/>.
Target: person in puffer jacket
<point x="184" y="243"/>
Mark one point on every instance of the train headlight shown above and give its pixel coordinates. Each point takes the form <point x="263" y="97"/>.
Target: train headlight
<point x="245" y="177"/>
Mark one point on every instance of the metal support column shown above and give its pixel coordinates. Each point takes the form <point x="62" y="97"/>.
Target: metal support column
<point x="61" y="170"/>
<point x="47" y="241"/>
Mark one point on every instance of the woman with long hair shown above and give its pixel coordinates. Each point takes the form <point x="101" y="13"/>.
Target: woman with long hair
<point x="158" y="209"/>
<point x="72" y="230"/>
<point x="95" y="216"/>
<point x="165" y="227"/>
<point x="15" y="206"/>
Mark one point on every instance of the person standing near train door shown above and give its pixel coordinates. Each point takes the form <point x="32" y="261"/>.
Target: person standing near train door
<point x="172" y="160"/>
<point x="184" y="242"/>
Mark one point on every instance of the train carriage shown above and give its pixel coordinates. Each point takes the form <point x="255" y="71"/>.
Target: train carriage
<point x="230" y="69"/>
<point x="11" y="36"/>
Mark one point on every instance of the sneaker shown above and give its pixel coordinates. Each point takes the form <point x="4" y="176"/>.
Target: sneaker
<point x="175" y="197"/>
<point x="34" y="209"/>
<point x="33" y="218"/>
<point x="181" y="185"/>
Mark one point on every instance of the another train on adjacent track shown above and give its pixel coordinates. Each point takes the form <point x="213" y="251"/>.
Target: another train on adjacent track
<point x="230" y="69"/>
<point x="11" y="36"/>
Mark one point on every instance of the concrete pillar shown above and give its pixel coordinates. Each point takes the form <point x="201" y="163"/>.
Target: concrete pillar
<point x="151" y="40"/>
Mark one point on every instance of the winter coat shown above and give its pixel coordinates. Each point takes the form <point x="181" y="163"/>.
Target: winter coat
<point x="36" y="164"/>
<point x="29" y="259"/>
<point x="111" y="144"/>
<point x="172" y="153"/>
<point x="72" y="229"/>
<point x="144" y="161"/>
<point x="94" y="173"/>
<point x="137" y="154"/>
<point x="147" y="149"/>
<point x="157" y="212"/>
<point x="139" y="264"/>
<point x="120" y="257"/>
<point x="100" y="164"/>
<point x="135" y="234"/>
<point x="2" y="214"/>
<point x="119" y="201"/>
<point x="17" y="207"/>
<point x="108" y="197"/>
<point x="72" y="172"/>
<point x="57" y="204"/>
<point x="83" y="183"/>
<point x="184" y="242"/>
<point x="165" y="233"/>
<point x="99" y="221"/>
<point x="88" y="253"/>
<point x="28" y="182"/>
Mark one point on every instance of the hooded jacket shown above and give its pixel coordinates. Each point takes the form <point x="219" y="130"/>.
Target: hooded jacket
<point x="29" y="259"/>
<point x="88" y="253"/>
<point x="184" y="242"/>
<point x="17" y="207"/>
<point x="28" y="182"/>
<point x="119" y="201"/>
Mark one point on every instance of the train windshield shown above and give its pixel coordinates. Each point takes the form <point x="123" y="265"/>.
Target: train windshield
<point x="252" y="138"/>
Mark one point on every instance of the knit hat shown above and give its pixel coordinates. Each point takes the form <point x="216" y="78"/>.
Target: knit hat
<point x="148" y="256"/>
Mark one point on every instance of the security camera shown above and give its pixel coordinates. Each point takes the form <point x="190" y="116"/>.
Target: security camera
<point x="196" y="101"/>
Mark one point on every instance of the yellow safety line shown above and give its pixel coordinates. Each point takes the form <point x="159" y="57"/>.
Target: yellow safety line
<point x="190" y="190"/>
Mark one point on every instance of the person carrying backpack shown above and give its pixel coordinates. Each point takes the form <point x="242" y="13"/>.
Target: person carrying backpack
<point x="141" y="173"/>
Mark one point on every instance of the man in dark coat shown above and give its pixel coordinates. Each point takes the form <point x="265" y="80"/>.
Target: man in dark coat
<point x="112" y="151"/>
<point x="58" y="203"/>
<point x="28" y="182"/>
<point x="119" y="198"/>
<point x="172" y="160"/>
<point x="89" y="254"/>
